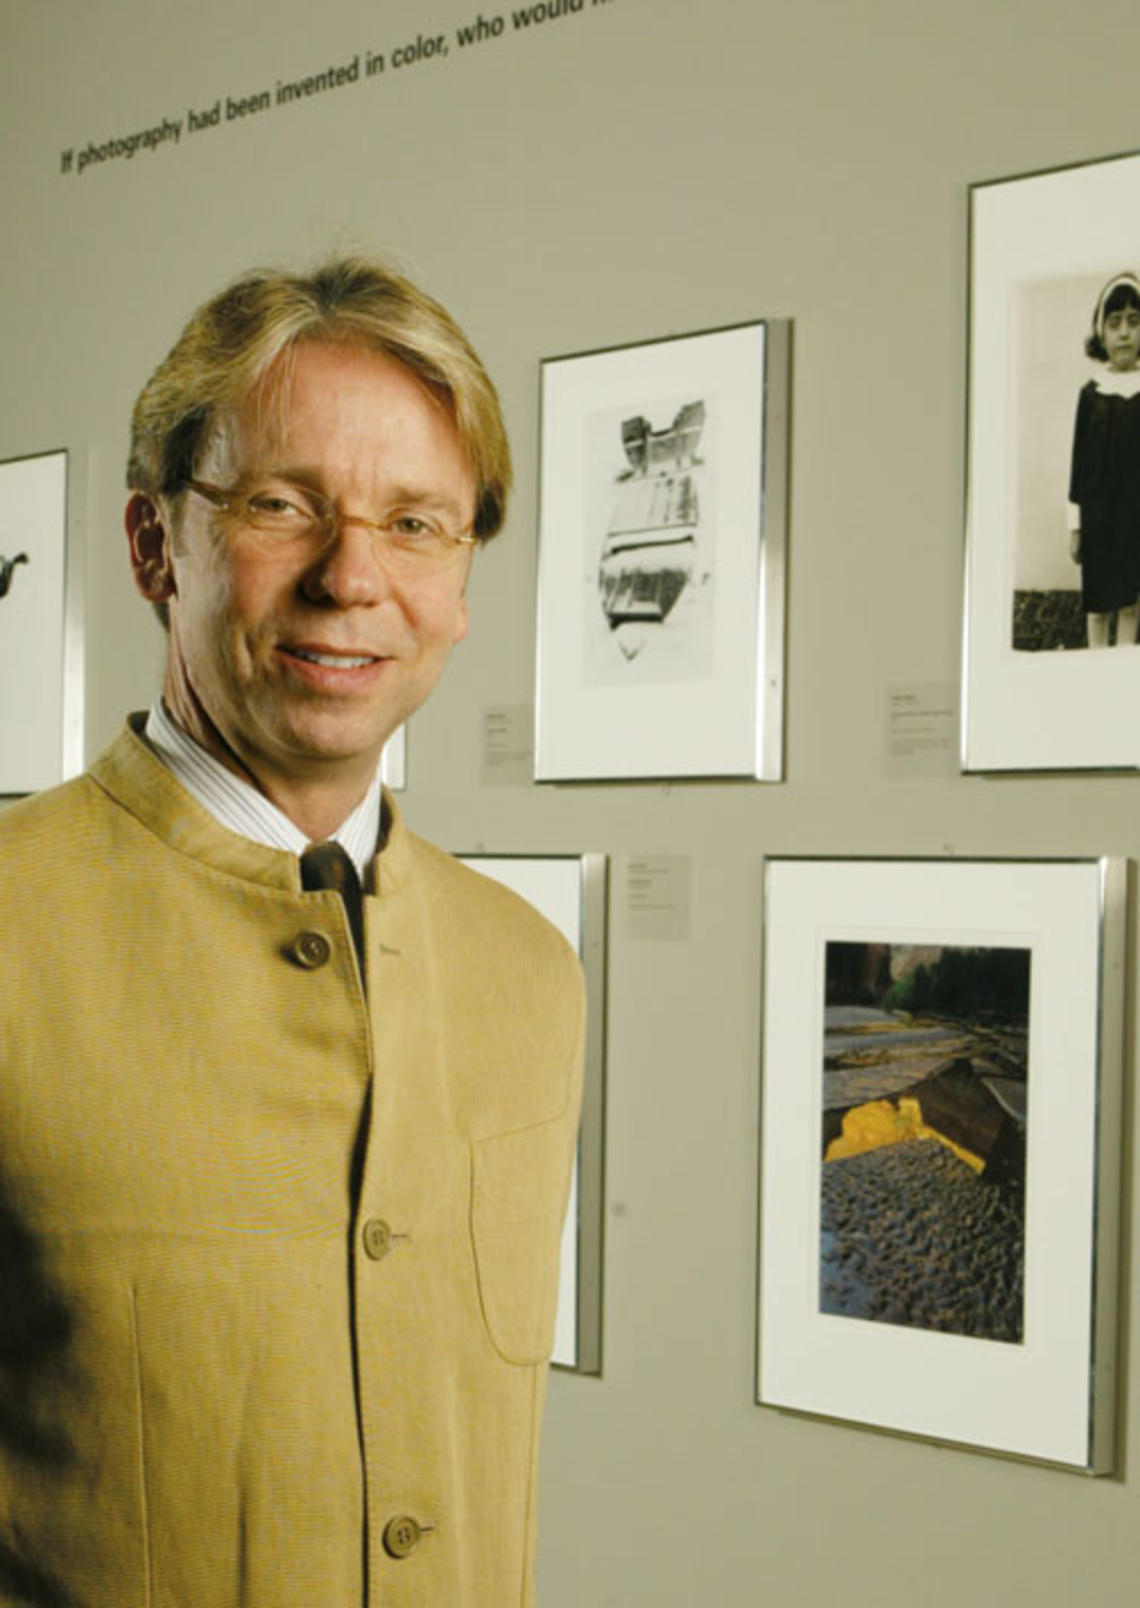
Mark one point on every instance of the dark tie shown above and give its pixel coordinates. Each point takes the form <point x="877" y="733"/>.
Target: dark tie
<point x="326" y="865"/>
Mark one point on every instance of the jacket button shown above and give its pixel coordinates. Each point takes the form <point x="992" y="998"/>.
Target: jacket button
<point x="377" y="1243"/>
<point x="401" y="1536"/>
<point x="311" y="949"/>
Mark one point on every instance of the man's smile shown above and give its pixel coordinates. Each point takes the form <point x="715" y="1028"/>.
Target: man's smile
<point x="335" y="660"/>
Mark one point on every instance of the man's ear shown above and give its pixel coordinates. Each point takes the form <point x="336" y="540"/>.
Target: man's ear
<point x="149" y="537"/>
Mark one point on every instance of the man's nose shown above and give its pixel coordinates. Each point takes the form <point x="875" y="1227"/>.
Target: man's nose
<point x="349" y="570"/>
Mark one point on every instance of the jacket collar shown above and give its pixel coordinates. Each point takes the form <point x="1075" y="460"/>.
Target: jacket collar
<point x="130" y="773"/>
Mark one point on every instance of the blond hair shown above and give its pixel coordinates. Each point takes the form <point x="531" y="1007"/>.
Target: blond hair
<point x="237" y="341"/>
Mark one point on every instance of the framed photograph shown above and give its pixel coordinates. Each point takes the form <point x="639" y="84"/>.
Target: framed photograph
<point x="39" y="722"/>
<point x="570" y="891"/>
<point x="661" y="558"/>
<point x="394" y="760"/>
<point x="1053" y="518"/>
<point x="941" y="1149"/>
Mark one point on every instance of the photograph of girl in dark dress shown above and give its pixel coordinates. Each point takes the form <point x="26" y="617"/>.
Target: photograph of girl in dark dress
<point x="1104" y="487"/>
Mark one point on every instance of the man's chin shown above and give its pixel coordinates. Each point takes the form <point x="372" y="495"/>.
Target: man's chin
<point x="322" y="757"/>
<point x="318" y="747"/>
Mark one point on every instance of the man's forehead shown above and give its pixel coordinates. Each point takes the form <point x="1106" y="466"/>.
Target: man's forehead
<point x="274" y="429"/>
<point x="263" y="418"/>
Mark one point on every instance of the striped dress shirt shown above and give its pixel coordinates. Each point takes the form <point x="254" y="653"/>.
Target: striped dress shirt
<point x="236" y="805"/>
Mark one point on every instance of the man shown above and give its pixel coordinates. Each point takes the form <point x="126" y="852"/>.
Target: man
<point x="282" y="1169"/>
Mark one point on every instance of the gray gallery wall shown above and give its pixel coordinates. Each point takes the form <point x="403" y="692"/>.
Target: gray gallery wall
<point x="627" y="170"/>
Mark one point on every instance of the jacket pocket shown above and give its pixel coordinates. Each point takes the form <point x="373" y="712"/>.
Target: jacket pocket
<point x="519" y="1183"/>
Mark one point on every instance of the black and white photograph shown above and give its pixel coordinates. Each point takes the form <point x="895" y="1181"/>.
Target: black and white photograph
<point x="661" y="558"/>
<point x="1077" y="365"/>
<point x="33" y="573"/>
<point x="1053" y="506"/>
<point x="940" y="1157"/>
<point x="654" y="568"/>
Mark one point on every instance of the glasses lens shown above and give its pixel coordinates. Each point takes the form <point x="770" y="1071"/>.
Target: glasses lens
<point x="282" y="513"/>
<point x="417" y="544"/>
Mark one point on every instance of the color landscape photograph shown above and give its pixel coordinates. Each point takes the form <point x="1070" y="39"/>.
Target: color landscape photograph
<point x="925" y="1098"/>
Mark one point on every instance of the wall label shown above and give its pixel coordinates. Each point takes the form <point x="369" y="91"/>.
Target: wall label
<point x="508" y="746"/>
<point x="921" y="731"/>
<point x="658" y="895"/>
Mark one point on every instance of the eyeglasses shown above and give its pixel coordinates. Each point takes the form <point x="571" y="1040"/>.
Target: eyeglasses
<point x="409" y="541"/>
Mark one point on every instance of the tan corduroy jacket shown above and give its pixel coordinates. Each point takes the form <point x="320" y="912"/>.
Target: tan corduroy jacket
<point x="278" y="1268"/>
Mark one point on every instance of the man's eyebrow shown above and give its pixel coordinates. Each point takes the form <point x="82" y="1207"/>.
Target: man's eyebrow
<point x="424" y="496"/>
<point x="307" y="479"/>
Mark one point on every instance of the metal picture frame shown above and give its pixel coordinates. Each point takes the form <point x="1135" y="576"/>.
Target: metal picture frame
<point x="41" y="647"/>
<point x="1053" y="439"/>
<point x="663" y="493"/>
<point x="941" y="1150"/>
<point x="571" y="891"/>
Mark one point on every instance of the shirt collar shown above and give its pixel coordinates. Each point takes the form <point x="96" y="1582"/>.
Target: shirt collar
<point x="239" y="807"/>
<point x="1118" y="382"/>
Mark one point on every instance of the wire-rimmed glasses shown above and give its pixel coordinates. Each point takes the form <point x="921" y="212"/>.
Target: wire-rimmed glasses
<point x="412" y="540"/>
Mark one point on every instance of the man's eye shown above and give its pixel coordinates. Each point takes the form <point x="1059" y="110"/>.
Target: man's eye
<point x="414" y="528"/>
<point x="271" y="505"/>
